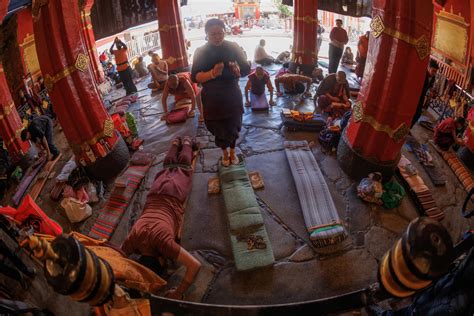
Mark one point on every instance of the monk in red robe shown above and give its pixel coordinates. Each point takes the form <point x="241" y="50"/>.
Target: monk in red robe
<point x="182" y="88"/>
<point x="156" y="231"/>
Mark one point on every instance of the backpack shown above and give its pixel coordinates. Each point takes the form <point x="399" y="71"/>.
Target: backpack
<point x="329" y="139"/>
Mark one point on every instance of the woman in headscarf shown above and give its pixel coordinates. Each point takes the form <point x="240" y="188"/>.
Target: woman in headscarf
<point x="218" y="65"/>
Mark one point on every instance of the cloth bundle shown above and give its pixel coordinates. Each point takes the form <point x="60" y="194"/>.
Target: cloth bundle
<point x="417" y="186"/>
<point x="177" y="116"/>
<point x="370" y="189"/>
<point x="309" y="122"/>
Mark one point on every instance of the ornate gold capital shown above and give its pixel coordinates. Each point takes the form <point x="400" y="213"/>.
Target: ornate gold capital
<point x="81" y="63"/>
<point x="422" y="45"/>
<point x="397" y="135"/>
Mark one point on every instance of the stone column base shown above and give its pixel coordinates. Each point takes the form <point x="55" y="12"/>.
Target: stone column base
<point x="110" y="166"/>
<point x="467" y="157"/>
<point x="357" y="166"/>
<point x="306" y="69"/>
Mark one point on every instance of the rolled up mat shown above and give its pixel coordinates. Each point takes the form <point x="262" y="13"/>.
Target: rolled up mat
<point x="419" y="190"/>
<point x="249" y="239"/>
<point x="320" y="215"/>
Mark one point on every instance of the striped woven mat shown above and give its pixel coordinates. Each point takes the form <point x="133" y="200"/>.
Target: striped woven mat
<point x="320" y="215"/>
<point x="109" y="217"/>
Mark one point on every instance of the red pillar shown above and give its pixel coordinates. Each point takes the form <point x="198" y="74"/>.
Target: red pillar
<point x="90" y="41"/>
<point x="398" y="56"/>
<point x="304" y="38"/>
<point x="172" y="39"/>
<point x="10" y="122"/>
<point x="65" y="64"/>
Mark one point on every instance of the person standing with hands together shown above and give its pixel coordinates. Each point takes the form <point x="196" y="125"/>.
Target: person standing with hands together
<point x="218" y="65"/>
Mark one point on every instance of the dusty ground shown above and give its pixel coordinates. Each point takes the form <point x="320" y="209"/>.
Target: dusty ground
<point x="300" y="272"/>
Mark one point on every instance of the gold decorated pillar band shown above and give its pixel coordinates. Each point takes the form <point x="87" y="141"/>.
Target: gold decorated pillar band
<point x="7" y="110"/>
<point x="306" y="19"/>
<point x="421" y="44"/>
<point x="81" y="63"/>
<point x="171" y="60"/>
<point x="397" y="135"/>
<point x="167" y="27"/>
<point x="108" y="132"/>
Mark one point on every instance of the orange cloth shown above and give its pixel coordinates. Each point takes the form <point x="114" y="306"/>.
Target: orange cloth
<point x="127" y="272"/>
<point x="121" y="59"/>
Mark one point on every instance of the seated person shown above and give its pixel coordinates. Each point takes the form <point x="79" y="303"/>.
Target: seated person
<point x="333" y="94"/>
<point x="293" y="84"/>
<point x="256" y="84"/>
<point x="446" y="132"/>
<point x="261" y="57"/>
<point x="140" y="67"/>
<point x="156" y="231"/>
<point x="283" y="57"/>
<point x="348" y="57"/>
<point x="40" y="132"/>
<point x="112" y="73"/>
<point x="159" y="72"/>
<point x="182" y="87"/>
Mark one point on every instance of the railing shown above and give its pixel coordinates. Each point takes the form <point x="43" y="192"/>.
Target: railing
<point x="139" y="45"/>
<point x="454" y="74"/>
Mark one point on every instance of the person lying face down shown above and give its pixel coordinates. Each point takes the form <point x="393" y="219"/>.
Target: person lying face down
<point x="256" y="85"/>
<point x="334" y="90"/>
<point x="293" y="84"/>
<point x="181" y="87"/>
<point x="156" y="231"/>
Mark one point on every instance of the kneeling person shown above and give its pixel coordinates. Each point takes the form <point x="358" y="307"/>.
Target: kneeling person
<point x="156" y="231"/>
<point x="181" y="87"/>
<point x="256" y="84"/>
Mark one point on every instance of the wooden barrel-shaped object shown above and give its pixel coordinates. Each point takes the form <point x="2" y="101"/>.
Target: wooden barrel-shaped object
<point x="79" y="272"/>
<point x="422" y="254"/>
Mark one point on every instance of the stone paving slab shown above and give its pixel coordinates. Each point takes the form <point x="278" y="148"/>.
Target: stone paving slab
<point x="295" y="282"/>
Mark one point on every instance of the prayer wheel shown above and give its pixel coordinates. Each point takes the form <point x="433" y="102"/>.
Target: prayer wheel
<point x="79" y="273"/>
<point x="423" y="254"/>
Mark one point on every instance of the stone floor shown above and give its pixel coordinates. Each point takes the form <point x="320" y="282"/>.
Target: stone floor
<point x="300" y="273"/>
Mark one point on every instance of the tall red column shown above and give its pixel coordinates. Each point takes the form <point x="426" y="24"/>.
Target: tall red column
<point x="89" y="39"/>
<point x="10" y="122"/>
<point x="396" y="66"/>
<point x="304" y="35"/>
<point x="65" y="65"/>
<point x="173" y="43"/>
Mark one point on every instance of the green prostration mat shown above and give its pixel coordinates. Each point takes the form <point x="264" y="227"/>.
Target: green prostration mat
<point x="249" y="239"/>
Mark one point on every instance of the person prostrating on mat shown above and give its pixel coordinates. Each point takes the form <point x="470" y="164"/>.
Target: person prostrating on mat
<point x="156" y="231"/>
<point x="218" y="65"/>
<point x="256" y="85"/>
